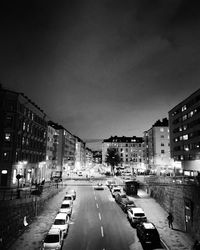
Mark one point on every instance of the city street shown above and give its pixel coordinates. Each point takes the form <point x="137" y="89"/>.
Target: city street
<point x="97" y="222"/>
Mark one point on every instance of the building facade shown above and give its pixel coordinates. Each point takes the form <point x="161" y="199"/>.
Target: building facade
<point x="23" y="137"/>
<point x="64" y="145"/>
<point x="184" y="124"/>
<point x="157" y="148"/>
<point x="130" y="150"/>
<point x="80" y="155"/>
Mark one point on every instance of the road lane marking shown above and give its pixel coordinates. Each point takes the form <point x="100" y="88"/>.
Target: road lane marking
<point x="102" y="232"/>
<point x="95" y="197"/>
<point x="97" y="205"/>
<point x="99" y="216"/>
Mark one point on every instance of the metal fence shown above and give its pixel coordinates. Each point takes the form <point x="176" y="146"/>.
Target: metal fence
<point x="27" y="192"/>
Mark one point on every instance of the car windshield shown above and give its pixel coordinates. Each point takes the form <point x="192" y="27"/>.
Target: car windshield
<point x="65" y="206"/>
<point x="51" y="238"/>
<point x="123" y="195"/>
<point x="59" y="222"/>
<point x="116" y="190"/>
<point x="139" y="214"/>
<point x="68" y="197"/>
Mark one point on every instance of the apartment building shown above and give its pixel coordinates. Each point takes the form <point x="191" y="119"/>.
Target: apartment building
<point x="184" y="124"/>
<point x="130" y="150"/>
<point x="80" y="155"/>
<point x="64" y="145"/>
<point x="23" y="137"/>
<point x="88" y="157"/>
<point x="157" y="148"/>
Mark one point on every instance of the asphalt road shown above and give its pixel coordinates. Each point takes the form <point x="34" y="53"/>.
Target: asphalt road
<point x="98" y="223"/>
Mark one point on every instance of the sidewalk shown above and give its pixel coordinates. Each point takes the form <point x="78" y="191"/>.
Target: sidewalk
<point x="174" y="239"/>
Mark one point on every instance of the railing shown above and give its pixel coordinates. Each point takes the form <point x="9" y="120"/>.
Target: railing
<point x="184" y="180"/>
<point x="27" y="192"/>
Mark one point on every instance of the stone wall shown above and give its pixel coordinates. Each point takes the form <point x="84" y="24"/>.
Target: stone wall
<point x="174" y="198"/>
<point x="12" y="213"/>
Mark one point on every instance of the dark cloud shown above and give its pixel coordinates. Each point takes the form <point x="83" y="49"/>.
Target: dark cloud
<point x="101" y="67"/>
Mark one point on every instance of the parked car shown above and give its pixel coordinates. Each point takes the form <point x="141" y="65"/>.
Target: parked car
<point x="68" y="197"/>
<point x="61" y="222"/>
<point x="72" y="192"/>
<point x="99" y="186"/>
<point x="148" y="234"/>
<point x="53" y="239"/>
<point x="127" y="204"/>
<point x="110" y="183"/>
<point x="136" y="215"/>
<point x="115" y="190"/>
<point x="66" y="207"/>
<point x="120" y="196"/>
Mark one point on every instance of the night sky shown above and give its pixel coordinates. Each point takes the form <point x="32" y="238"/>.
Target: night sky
<point x="101" y="67"/>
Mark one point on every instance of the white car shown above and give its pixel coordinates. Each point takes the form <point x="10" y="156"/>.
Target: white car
<point x="116" y="189"/>
<point x="72" y="192"/>
<point x="99" y="186"/>
<point x="66" y="207"/>
<point x="53" y="239"/>
<point x="136" y="215"/>
<point x="61" y="222"/>
<point x="68" y="197"/>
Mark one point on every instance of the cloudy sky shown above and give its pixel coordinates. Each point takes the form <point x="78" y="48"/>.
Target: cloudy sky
<point x="101" y="67"/>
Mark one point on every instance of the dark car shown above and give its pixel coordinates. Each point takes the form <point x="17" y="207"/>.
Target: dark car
<point x="196" y="245"/>
<point x="148" y="234"/>
<point x="126" y="204"/>
<point x="119" y="197"/>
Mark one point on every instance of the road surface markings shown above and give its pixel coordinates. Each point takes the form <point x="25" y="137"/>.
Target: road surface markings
<point x="99" y="216"/>
<point x="97" y="205"/>
<point x="102" y="232"/>
<point x="95" y="197"/>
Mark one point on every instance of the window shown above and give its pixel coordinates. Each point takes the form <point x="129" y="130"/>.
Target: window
<point x="184" y="117"/>
<point x="8" y="137"/>
<point x="161" y="129"/>
<point x="5" y="156"/>
<point x="162" y="136"/>
<point x="184" y="108"/>
<point x="185" y="137"/>
<point x="24" y="126"/>
<point x="162" y="151"/>
<point x="162" y="144"/>
<point x="9" y="121"/>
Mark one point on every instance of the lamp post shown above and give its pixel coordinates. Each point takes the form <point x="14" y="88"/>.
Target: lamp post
<point x="18" y="191"/>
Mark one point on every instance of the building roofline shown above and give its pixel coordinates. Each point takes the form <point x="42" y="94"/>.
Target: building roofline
<point x="185" y="100"/>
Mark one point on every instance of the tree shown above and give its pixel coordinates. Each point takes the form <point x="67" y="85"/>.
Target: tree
<point x="112" y="158"/>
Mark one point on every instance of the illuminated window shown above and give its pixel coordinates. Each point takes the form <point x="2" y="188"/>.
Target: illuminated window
<point x="185" y="137"/>
<point x="7" y="136"/>
<point x="184" y="117"/>
<point x="184" y="108"/>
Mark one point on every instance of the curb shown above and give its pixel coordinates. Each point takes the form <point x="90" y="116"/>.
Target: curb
<point x="164" y="245"/>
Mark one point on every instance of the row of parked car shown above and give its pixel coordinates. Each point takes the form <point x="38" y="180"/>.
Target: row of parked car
<point x="59" y="229"/>
<point x="146" y="231"/>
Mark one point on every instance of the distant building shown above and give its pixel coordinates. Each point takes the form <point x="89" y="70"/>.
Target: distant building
<point x="97" y="156"/>
<point x="184" y="123"/>
<point x="88" y="157"/>
<point x="64" y="145"/>
<point x="80" y="154"/>
<point x="23" y="137"/>
<point x="130" y="150"/>
<point x="157" y="148"/>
